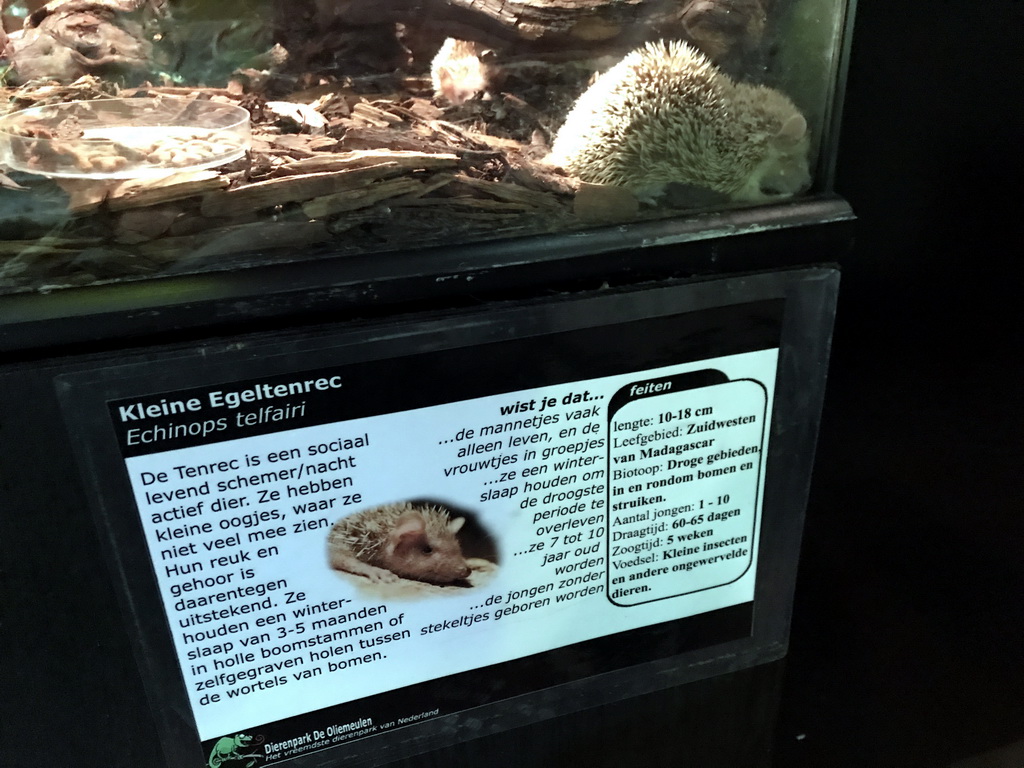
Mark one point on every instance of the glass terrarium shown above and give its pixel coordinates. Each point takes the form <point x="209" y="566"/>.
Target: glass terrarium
<point x="148" y="138"/>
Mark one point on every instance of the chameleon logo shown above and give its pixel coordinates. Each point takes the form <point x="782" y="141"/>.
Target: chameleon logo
<point x="226" y="750"/>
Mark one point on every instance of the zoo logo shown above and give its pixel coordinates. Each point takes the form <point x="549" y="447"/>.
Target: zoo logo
<point x="226" y="750"/>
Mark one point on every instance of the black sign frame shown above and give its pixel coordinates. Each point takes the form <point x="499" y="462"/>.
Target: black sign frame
<point x="571" y="337"/>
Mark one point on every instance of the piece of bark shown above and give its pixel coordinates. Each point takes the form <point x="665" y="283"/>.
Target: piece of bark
<point x="337" y="161"/>
<point x="473" y="203"/>
<point x="178" y="90"/>
<point x="356" y="136"/>
<point x="375" y="115"/>
<point x="300" y="116"/>
<point x="138" y="193"/>
<point x="434" y="183"/>
<point x="565" y="29"/>
<point x="49" y="91"/>
<point x="291" y="189"/>
<point x="539" y="176"/>
<point x="456" y="135"/>
<point x="66" y="39"/>
<point x="505" y="191"/>
<point x="293" y="144"/>
<point x="362" y="197"/>
<point x="424" y="109"/>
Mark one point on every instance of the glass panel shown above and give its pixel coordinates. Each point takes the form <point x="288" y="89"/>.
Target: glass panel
<point x="154" y="137"/>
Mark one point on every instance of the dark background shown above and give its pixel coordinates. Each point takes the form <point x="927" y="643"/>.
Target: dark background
<point x="907" y="645"/>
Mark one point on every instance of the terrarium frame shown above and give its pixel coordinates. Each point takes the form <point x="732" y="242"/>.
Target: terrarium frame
<point x="407" y="197"/>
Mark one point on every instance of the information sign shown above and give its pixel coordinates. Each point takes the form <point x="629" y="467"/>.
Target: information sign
<point x="352" y="533"/>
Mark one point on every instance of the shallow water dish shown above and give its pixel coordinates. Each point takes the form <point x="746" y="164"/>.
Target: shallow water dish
<point x="123" y="138"/>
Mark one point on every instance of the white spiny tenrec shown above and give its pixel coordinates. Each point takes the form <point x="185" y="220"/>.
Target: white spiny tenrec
<point x="666" y="114"/>
<point x="399" y="540"/>
<point x="460" y="70"/>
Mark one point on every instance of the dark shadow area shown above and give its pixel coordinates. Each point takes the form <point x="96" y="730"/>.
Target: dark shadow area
<point x="906" y="646"/>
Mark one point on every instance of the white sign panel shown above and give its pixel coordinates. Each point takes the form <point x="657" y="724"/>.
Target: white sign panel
<point x="311" y="566"/>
